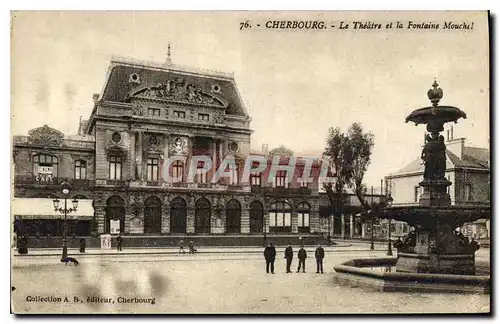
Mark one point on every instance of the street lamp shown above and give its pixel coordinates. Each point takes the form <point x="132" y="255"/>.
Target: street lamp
<point x="389" y="247"/>
<point x="65" y="190"/>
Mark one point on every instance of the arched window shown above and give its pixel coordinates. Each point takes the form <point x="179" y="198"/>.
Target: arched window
<point x="115" y="211"/>
<point x="178" y="215"/>
<point x="45" y="168"/>
<point x="303" y="212"/>
<point x="233" y="216"/>
<point x="152" y="215"/>
<point x="280" y="217"/>
<point x="202" y="216"/>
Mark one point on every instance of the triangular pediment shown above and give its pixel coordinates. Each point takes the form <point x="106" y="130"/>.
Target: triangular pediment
<point x="176" y="91"/>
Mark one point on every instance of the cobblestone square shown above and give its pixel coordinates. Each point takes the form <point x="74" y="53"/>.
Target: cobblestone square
<point x="216" y="283"/>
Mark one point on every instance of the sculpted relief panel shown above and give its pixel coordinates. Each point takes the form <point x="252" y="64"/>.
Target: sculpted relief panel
<point x="177" y="90"/>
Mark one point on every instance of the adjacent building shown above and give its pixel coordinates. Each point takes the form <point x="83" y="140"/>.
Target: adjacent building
<point x="467" y="168"/>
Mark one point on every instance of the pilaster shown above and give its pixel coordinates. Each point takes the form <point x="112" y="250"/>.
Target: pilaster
<point x="245" y="221"/>
<point x="165" y="219"/>
<point x="342" y="226"/>
<point x="295" y="221"/>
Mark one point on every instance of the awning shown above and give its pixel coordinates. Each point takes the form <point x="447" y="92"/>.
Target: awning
<point x="43" y="208"/>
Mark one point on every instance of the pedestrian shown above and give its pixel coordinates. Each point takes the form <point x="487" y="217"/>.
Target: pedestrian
<point x="181" y="247"/>
<point x="288" y="257"/>
<point x="302" y="259"/>
<point x="82" y="245"/>
<point x="270" y="256"/>
<point x="320" y="255"/>
<point x="119" y="242"/>
<point x="191" y="247"/>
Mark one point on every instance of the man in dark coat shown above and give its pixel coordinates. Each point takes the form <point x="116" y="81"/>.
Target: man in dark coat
<point x="302" y="259"/>
<point x="288" y="257"/>
<point x="320" y="255"/>
<point x="270" y="256"/>
<point x="119" y="242"/>
<point x="82" y="245"/>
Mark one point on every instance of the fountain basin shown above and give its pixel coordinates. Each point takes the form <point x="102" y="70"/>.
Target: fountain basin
<point x="367" y="274"/>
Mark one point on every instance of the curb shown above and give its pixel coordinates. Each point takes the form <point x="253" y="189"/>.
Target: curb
<point x="170" y="253"/>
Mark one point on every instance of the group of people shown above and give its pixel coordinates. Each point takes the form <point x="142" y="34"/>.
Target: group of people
<point x="191" y="247"/>
<point x="270" y="257"/>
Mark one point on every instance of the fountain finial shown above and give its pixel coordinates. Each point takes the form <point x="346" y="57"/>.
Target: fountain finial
<point x="435" y="94"/>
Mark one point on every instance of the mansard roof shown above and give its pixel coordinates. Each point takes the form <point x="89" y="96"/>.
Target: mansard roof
<point x="125" y="76"/>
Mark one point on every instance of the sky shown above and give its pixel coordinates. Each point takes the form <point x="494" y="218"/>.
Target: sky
<point x="295" y="84"/>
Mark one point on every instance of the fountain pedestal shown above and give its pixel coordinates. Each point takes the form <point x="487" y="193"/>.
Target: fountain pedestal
<point x="435" y="193"/>
<point x="427" y="258"/>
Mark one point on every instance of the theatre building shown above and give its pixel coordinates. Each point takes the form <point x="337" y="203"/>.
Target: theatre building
<point x="147" y="114"/>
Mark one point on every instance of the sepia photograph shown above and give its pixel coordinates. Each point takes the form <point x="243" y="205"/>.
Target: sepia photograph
<point x="250" y="162"/>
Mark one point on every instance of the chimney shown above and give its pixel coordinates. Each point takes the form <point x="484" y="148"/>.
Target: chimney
<point x="456" y="146"/>
<point x="265" y="149"/>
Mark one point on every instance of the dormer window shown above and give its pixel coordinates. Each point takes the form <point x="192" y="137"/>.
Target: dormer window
<point x="179" y="114"/>
<point x="154" y="111"/>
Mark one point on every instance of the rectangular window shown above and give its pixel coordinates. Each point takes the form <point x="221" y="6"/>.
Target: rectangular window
<point x="80" y="169"/>
<point x="179" y="114"/>
<point x="234" y="174"/>
<point x="152" y="169"/>
<point x="287" y="219"/>
<point x="115" y="167"/>
<point x="203" y="117"/>
<point x="272" y="219"/>
<point x="255" y="179"/>
<point x="154" y="111"/>
<point x="201" y="175"/>
<point x="303" y="219"/>
<point x="468" y="192"/>
<point x="178" y="171"/>
<point x="280" y="180"/>
<point x="416" y="193"/>
<point x="279" y="219"/>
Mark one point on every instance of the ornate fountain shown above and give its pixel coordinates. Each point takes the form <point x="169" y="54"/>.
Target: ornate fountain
<point x="434" y="246"/>
<point x="434" y="256"/>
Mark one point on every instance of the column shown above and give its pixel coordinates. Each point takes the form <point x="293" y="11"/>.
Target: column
<point x="220" y="151"/>
<point x="163" y="173"/>
<point x="188" y="160"/>
<point x="266" y="221"/>
<point x="132" y="155"/>
<point x="245" y="221"/>
<point x="351" y="226"/>
<point x="363" y="230"/>
<point x="332" y="225"/>
<point x="226" y="146"/>
<point x="138" y="154"/>
<point x="342" y="226"/>
<point x="214" y="158"/>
